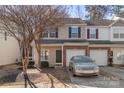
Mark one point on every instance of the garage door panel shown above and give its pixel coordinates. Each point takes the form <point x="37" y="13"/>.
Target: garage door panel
<point x="73" y="52"/>
<point x="100" y="56"/>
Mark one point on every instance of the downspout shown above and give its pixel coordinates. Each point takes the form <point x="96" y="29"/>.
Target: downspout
<point x="62" y="55"/>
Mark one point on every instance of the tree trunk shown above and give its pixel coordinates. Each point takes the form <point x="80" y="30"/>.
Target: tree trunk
<point x="25" y="61"/>
<point x="38" y="49"/>
<point x="39" y="57"/>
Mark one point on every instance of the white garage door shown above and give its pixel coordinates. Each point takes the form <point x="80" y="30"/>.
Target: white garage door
<point x="73" y="52"/>
<point x="100" y="57"/>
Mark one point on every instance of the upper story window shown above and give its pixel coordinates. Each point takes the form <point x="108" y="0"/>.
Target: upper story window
<point x="122" y="35"/>
<point x="53" y="34"/>
<point x="50" y="33"/>
<point x="92" y="33"/>
<point x="118" y="33"/>
<point x="115" y="35"/>
<point x="74" y="32"/>
<point x="45" y="34"/>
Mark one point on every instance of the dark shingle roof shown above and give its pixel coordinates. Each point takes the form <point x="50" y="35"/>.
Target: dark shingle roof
<point x="71" y="21"/>
<point x="99" y="22"/>
<point x="119" y="23"/>
<point x="61" y="41"/>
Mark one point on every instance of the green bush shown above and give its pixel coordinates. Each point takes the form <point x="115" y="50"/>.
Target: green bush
<point x="31" y="63"/>
<point x="44" y="64"/>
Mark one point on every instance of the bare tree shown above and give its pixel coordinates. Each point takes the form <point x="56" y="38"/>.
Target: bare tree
<point x="26" y="24"/>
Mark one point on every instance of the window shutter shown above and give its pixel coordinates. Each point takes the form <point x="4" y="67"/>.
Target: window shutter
<point x="88" y="33"/>
<point x="56" y="34"/>
<point x="5" y="35"/>
<point x="97" y="34"/>
<point x="69" y="32"/>
<point x="79" y="32"/>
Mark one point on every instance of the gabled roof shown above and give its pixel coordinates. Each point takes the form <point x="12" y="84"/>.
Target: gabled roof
<point x="103" y="22"/>
<point x="118" y="22"/>
<point x="71" y="21"/>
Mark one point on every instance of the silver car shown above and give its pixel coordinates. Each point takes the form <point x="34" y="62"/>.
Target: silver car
<point x="83" y="65"/>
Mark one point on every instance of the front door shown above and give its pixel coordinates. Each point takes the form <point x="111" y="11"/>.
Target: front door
<point x="58" y="56"/>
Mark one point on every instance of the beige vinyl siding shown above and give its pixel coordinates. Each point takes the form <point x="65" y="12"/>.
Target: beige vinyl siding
<point x="63" y="31"/>
<point x="103" y="32"/>
<point x="9" y="51"/>
<point x="51" y="56"/>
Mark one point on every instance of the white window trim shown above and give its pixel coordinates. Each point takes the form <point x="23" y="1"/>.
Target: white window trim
<point x="49" y="35"/>
<point x="77" y="33"/>
<point x="92" y="29"/>
<point x="118" y="31"/>
<point x="41" y="54"/>
<point x="118" y="35"/>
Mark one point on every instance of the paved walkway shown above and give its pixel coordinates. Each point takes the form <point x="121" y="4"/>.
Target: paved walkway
<point x="113" y="72"/>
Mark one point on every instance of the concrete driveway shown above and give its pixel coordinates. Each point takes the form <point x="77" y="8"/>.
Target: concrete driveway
<point x="96" y="82"/>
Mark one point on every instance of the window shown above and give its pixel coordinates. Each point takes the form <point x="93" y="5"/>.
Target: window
<point x="118" y="35"/>
<point x="115" y="35"/>
<point x="121" y="35"/>
<point x="44" y="54"/>
<point x="30" y="53"/>
<point x="45" y="34"/>
<point x="120" y="57"/>
<point x="50" y="33"/>
<point x="92" y="33"/>
<point x="74" y="32"/>
<point x="53" y="34"/>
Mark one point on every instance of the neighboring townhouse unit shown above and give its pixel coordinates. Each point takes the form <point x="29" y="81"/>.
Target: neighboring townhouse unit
<point x="101" y="40"/>
<point x="9" y="50"/>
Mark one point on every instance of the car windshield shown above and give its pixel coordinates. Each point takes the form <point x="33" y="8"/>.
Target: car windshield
<point x="82" y="59"/>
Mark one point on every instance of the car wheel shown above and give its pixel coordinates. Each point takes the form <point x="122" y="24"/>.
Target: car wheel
<point x="69" y="69"/>
<point x="73" y="72"/>
<point x="97" y="74"/>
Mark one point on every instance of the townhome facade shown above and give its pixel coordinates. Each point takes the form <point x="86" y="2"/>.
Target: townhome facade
<point x="103" y="41"/>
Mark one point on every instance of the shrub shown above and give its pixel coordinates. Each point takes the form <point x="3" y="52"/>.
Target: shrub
<point x="44" y="64"/>
<point x="31" y="64"/>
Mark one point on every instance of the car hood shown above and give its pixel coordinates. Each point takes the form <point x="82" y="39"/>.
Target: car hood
<point x="86" y="64"/>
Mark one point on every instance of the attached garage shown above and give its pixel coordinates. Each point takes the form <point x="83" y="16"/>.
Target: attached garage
<point x="73" y="52"/>
<point x="100" y="56"/>
<point x="118" y="55"/>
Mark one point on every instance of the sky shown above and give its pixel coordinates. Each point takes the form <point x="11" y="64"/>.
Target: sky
<point x="74" y="13"/>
